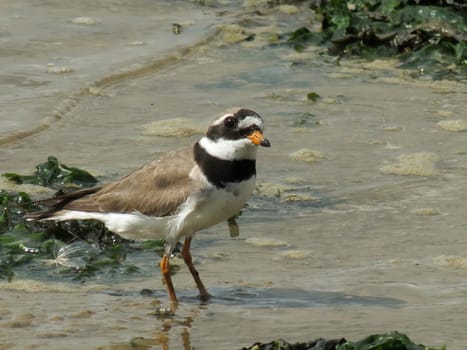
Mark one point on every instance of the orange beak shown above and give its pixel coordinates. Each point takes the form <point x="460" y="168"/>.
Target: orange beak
<point x="258" y="139"/>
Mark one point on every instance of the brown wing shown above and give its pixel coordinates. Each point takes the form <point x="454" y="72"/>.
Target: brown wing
<point x="156" y="189"/>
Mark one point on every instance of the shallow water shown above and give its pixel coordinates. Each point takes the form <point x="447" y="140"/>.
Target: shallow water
<point x="363" y="234"/>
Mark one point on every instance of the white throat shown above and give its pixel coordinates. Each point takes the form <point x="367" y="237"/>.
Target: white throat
<point x="229" y="149"/>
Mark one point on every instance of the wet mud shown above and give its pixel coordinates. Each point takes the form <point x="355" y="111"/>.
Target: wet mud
<point x="357" y="225"/>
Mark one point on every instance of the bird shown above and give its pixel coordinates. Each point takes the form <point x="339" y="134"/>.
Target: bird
<point x="178" y="194"/>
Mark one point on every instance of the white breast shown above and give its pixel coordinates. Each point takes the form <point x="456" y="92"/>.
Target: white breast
<point x="208" y="207"/>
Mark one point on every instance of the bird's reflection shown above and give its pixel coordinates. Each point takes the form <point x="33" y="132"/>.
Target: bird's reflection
<point x="176" y="327"/>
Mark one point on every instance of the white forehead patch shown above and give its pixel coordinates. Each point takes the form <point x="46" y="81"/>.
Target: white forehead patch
<point x="249" y="121"/>
<point x="244" y="123"/>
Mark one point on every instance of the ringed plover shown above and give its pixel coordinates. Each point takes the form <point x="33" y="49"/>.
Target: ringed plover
<point x="177" y="195"/>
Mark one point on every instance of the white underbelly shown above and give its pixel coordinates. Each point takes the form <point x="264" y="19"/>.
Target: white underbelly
<point x="215" y="206"/>
<point x="134" y="226"/>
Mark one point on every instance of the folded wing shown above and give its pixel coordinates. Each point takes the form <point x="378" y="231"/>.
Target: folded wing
<point x="156" y="189"/>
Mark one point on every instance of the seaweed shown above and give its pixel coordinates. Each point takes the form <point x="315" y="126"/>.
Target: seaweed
<point x="77" y="249"/>
<point x="281" y="344"/>
<point x="55" y="174"/>
<point x="429" y="36"/>
<point x="13" y="205"/>
<point x="387" y="341"/>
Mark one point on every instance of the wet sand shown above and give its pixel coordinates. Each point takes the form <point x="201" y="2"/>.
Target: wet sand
<point x="358" y="225"/>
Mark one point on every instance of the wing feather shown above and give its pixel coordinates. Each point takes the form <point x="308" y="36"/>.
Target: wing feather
<point x="156" y="189"/>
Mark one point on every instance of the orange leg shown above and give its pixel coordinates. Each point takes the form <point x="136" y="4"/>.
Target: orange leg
<point x="203" y="293"/>
<point x="165" y="268"/>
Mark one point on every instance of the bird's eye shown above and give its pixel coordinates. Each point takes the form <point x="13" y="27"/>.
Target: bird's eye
<point x="229" y="122"/>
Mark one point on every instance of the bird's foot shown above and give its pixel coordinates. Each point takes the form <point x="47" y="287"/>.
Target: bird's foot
<point x="164" y="311"/>
<point x="205" y="296"/>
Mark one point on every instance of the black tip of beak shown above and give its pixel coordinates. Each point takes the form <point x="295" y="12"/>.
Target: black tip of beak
<point x="265" y="143"/>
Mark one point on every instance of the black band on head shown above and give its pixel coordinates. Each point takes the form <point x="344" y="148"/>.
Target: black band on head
<point x="217" y="131"/>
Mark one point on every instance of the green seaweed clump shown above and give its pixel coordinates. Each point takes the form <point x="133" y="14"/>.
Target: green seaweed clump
<point x="281" y="344"/>
<point x="387" y="341"/>
<point x="13" y="205"/>
<point x="426" y="35"/>
<point x="76" y="250"/>
<point x="18" y="242"/>
<point x="55" y="174"/>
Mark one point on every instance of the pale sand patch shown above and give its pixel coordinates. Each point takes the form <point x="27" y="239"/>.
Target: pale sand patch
<point x="419" y="164"/>
<point x="266" y="242"/>
<point x="307" y="155"/>
<point x="452" y="125"/>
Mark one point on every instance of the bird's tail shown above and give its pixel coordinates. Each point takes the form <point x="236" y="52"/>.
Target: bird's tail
<point x="57" y="203"/>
